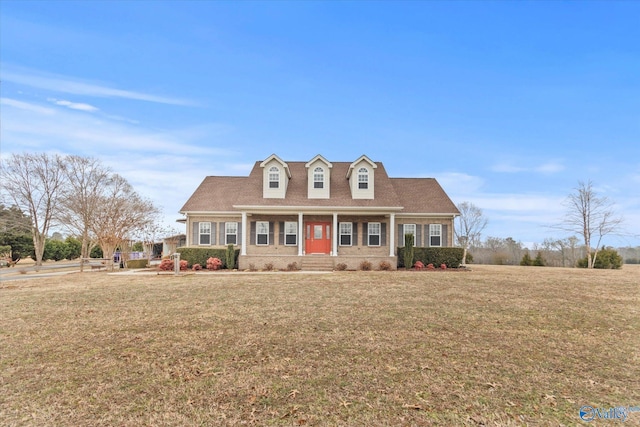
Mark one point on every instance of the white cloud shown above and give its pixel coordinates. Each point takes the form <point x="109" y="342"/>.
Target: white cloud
<point x="459" y="184"/>
<point x="550" y="167"/>
<point x="34" y="108"/>
<point x="74" y="86"/>
<point x="73" y="105"/>
<point x="162" y="165"/>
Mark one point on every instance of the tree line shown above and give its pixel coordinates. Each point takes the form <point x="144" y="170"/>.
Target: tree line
<point x="567" y="252"/>
<point x="96" y="206"/>
<point x="588" y="215"/>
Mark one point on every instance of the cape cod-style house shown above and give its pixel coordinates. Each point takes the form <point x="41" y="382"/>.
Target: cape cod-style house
<point x="317" y="213"/>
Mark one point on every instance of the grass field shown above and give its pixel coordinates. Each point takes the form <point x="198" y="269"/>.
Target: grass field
<point x="491" y="346"/>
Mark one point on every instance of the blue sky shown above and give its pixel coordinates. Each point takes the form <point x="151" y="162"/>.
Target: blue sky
<point x="507" y="104"/>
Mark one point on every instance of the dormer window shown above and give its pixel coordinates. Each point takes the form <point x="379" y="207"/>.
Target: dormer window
<point x="363" y="178"/>
<point x="318" y="178"/>
<point x="274" y="177"/>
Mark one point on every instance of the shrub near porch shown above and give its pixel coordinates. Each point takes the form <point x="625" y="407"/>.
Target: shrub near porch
<point x="451" y="257"/>
<point x="201" y="255"/>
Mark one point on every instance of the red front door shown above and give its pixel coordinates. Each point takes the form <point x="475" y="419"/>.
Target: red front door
<point x="318" y="237"/>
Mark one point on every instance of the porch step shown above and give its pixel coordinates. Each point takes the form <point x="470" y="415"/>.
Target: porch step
<point x="317" y="263"/>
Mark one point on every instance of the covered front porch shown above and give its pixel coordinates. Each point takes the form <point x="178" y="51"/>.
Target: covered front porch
<point x="316" y="240"/>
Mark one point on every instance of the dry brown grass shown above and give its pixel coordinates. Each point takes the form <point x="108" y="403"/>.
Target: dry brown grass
<point x="493" y="346"/>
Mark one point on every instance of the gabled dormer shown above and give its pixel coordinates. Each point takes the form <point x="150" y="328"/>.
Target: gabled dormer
<point x="318" y="178"/>
<point x="275" y="177"/>
<point x="361" y="178"/>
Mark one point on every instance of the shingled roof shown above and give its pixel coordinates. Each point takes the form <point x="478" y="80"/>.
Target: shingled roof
<point x="406" y="195"/>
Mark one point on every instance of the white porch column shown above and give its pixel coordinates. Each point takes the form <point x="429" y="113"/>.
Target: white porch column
<point x="300" y="235"/>
<point x="334" y="239"/>
<point x="245" y="232"/>
<point x="392" y="234"/>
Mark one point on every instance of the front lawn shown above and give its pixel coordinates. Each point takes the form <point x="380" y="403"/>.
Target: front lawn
<point x="493" y="346"/>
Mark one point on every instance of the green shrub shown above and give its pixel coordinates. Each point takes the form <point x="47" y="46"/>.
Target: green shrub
<point x="526" y="260"/>
<point x="607" y="258"/>
<point x="408" y="254"/>
<point x="56" y="250"/>
<point x="230" y="257"/>
<point x="96" y="252"/>
<point x="137" y="263"/>
<point x="451" y="257"/>
<point x="469" y="258"/>
<point x="74" y="247"/>
<point x="539" y="261"/>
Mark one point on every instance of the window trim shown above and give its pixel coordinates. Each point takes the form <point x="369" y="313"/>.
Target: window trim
<point x="378" y="234"/>
<point x="201" y="234"/>
<point x="258" y="234"/>
<point x="432" y="233"/>
<point x="344" y="234"/>
<point x="294" y="225"/>
<point x="363" y="178"/>
<point x="274" y="177"/>
<point x="318" y="178"/>
<point x="227" y="234"/>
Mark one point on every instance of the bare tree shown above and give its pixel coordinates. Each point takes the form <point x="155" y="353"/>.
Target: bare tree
<point x="471" y="223"/>
<point x="149" y="233"/>
<point x="35" y="183"/>
<point x="121" y="212"/>
<point x="515" y="250"/>
<point x="87" y="182"/>
<point x="590" y="216"/>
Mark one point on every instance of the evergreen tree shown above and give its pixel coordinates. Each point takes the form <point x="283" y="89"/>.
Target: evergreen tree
<point x="608" y="258"/>
<point x="231" y="257"/>
<point x="526" y="260"/>
<point x="539" y="261"/>
<point x="408" y="251"/>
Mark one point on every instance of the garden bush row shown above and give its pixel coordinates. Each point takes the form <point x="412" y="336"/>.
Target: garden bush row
<point x="194" y="256"/>
<point x="451" y="257"/>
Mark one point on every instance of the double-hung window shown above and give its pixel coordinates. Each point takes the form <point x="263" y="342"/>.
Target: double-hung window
<point x="290" y="233"/>
<point x="373" y="231"/>
<point x="408" y="229"/>
<point x="274" y="177"/>
<point x="363" y="178"/>
<point x="262" y="232"/>
<point x="435" y="234"/>
<point x="346" y="231"/>
<point x="318" y="178"/>
<point x="204" y="233"/>
<point x="230" y="233"/>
